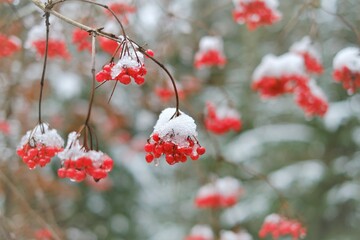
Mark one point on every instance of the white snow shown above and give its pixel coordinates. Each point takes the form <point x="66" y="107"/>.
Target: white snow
<point x="211" y="43"/>
<point x="177" y="129"/>
<point x="203" y="231"/>
<point x="273" y="66"/>
<point x="348" y="57"/>
<point x="227" y="186"/>
<point x="229" y="235"/>
<point x="50" y="137"/>
<point x="305" y="45"/>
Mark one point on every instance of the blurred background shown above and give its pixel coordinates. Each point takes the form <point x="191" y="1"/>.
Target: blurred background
<point x="313" y="162"/>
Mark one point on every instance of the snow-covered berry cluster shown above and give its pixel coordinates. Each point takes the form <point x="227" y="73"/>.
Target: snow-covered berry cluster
<point x="222" y="119"/>
<point x="36" y="41"/>
<point x="81" y="39"/>
<point x="210" y="52"/>
<point x="289" y="73"/>
<point x="78" y="162"/>
<point x="230" y="235"/>
<point x="39" y="145"/>
<point x="8" y="45"/>
<point x="200" y="232"/>
<point x="346" y="66"/>
<point x="174" y="137"/>
<point x="255" y="13"/>
<point x="279" y="226"/>
<point x="130" y="66"/>
<point x="223" y="192"/>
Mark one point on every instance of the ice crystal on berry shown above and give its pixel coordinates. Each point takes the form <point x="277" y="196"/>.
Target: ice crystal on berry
<point x="8" y="45"/>
<point x="210" y="52"/>
<point x="39" y="145"/>
<point x="305" y="47"/>
<point x="222" y="119"/>
<point x="255" y="13"/>
<point x="200" y="232"/>
<point x="346" y="66"/>
<point x="279" y="226"/>
<point x="77" y="162"/>
<point x="223" y="192"/>
<point x="229" y="235"/>
<point x="174" y="137"/>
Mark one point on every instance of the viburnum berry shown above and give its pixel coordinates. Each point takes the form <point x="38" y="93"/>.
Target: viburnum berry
<point x="223" y="192"/>
<point x="39" y="145"/>
<point x="279" y="226"/>
<point x="255" y="13"/>
<point x="221" y="120"/>
<point x="200" y="232"/>
<point x="81" y="39"/>
<point x="346" y="66"/>
<point x="173" y="137"/>
<point x="4" y="127"/>
<point x="77" y="162"/>
<point x="305" y="48"/>
<point x="8" y="45"/>
<point x="230" y="235"/>
<point x="210" y="52"/>
<point x="150" y="52"/>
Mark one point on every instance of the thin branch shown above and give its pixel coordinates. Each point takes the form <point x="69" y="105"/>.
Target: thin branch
<point x="93" y="52"/>
<point x="177" y="112"/>
<point x="47" y="24"/>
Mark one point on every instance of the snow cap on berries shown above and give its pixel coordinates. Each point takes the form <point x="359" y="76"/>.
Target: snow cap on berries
<point x="181" y="126"/>
<point x="211" y="52"/>
<point x="49" y="137"/>
<point x="273" y="66"/>
<point x="200" y="232"/>
<point x="348" y="57"/>
<point x="229" y="235"/>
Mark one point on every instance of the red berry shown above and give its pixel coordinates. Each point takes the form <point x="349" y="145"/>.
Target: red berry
<point x="149" y="147"/>
<point x="200" y="150"/>
<point x="149" y="158"/>
<point x="125" y="79"/>
<point x="61" y="173"/>
<point x="150" y="52"/>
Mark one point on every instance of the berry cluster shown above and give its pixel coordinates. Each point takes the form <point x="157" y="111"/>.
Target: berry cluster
<point x="210" y="52"/>
<point x="107" y="45"/>
<point x="312" y="60"/>
<point x="122" y="9"/>
<point x="81" y="39"/>
<point x="4" y="127"/>
<point x="8" y="45"/>
<point x="77" y="162"/>
<point x="276" y="76"/>
<point x="130" y="66"/>
<point x="174" y="137"/>
<point x="39" y="145"/>
<point x="255" y="13"/>
<point x="224" y="192"/>
<point x="56" y="48"/>
<point x="346" y="66"/>
<point x="200" y="232"/>
<point x="279" y="226"/>
<point x="221" y="120"/>
<point x="156" y="147"/>
<point x="311" y="99"/>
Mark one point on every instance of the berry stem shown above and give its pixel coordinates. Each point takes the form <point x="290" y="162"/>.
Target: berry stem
<point x="177" y="112"/>
<point x="42" y="81"/>
<point x="93" y="51"/>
